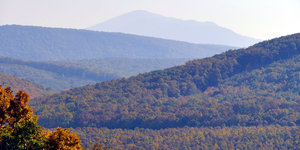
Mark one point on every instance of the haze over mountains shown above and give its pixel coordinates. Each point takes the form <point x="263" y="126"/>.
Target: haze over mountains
<point x="144" y="23"/>
<point x="239" y="99"/>
<point x="44" y="44"/>
<point x="63" y="75"/>
<point x="88" y="57"/>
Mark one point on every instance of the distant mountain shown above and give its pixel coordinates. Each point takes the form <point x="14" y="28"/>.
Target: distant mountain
<point x="44" y="44"/>
<point x="15" y="83"/>
<point x="148" y="24"/>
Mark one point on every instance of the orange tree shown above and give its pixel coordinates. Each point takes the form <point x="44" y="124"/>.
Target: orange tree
<point x="19" y="129"/>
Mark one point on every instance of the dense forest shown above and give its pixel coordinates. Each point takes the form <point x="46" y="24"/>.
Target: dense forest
<point x="63" y="75"/>
<point x="46" y="44"/>
<point x="192" y="138"/>
<point x="241" y="99"/>
<point x="182" y="95"/>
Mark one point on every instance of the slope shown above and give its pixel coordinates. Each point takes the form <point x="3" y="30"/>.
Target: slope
<point x="125" y="66"/>
<point x="35" y="90"/>
<point x="63" y="75"/>
<point x="44" y="44"/>
<point x="168" y="98"/>
<point x="55" y="75"/>
<point x="148" y="24"/>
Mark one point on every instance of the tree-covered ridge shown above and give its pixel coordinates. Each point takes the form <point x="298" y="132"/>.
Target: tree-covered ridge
<point x="44" y="44"/>
<point x="125" y="66"/>
<point x="48" y="79"/>
<point x="16" y="83"/>
<point x="63" y="75"/>
<point x="55" y="75"/>
<point x="173" y="97"/>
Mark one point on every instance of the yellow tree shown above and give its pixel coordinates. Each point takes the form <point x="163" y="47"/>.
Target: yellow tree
<point x="19" y="129"/>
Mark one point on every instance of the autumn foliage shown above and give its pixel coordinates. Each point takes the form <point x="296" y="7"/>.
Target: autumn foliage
<point x="205" y="92"/>
<point x="248" y="92"/>
<point x="19" y="129"/>
<point x="240" y="99"/>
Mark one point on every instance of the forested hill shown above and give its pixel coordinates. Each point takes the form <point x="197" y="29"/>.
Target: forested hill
<point x="125" y="67"/>
<point x="63" y="75"/>
<point x="183" y="95"/>
<point x="35" y="90"/>
<point x="41" y="43"/>
<point x="54" y="74"/>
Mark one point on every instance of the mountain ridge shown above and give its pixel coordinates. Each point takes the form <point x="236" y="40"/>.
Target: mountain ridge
<point x="63" y="75"/>
<point x="45" y="44"/>
<point x="154" y="25"/>
<point x="168" y="98"/>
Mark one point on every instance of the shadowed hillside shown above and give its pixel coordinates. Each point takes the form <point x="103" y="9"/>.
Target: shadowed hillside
<point x="63" y="75"/>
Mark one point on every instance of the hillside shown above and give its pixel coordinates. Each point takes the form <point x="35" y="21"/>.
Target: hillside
<point x="55" y="75"/>
<point x="63" y="75"/>
<point x="246" y="99"/>
<point x="166" y="98"/>
<point x="125" y="66"/>
<point x="35" y="90"/>
<point x="144" y="23"/>
<point x="51" y="44"/>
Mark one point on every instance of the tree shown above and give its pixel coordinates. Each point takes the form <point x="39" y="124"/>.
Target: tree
<point x="19" y="129"/>
<point x="98" y="146"/>
<point x="62" y="139"/>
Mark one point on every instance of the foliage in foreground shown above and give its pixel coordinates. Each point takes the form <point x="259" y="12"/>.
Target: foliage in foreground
<point x="19" y="129"/>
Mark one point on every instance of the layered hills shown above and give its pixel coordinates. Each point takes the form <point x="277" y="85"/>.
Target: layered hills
<point x="239" y="99"/>
<point x="54" y="75"/>
<point x="50" y="44"/>
<point x="144" y="23"/>
<point x="221" y="101"/>
<point x="63" y="75"/>
<point x="174" y="97"/>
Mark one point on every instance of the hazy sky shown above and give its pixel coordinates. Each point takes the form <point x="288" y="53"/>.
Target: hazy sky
<point x="262" y="19"/>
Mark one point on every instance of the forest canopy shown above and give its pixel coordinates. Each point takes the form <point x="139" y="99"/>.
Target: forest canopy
<point x="200" y="93"/>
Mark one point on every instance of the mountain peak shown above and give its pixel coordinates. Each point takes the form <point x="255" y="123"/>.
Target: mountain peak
<point x="141" y="22"/>
<point x="140" y="14"/>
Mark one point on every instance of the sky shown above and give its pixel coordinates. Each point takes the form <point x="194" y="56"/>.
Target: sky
<point x="261" y="19"/>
